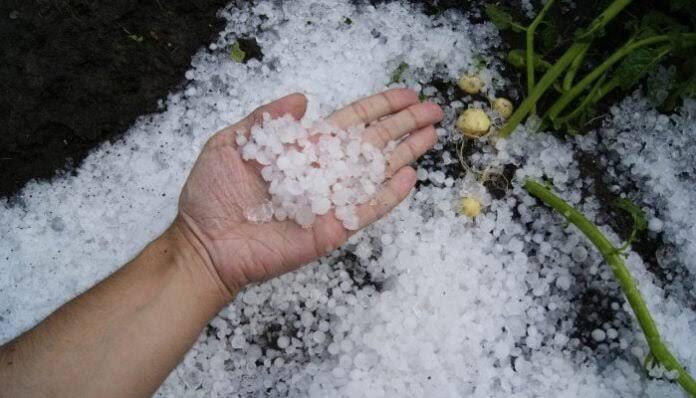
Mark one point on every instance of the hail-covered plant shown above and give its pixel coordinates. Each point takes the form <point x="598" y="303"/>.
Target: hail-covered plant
<point x="573" y="86"/>
<point x="659" y="354"/>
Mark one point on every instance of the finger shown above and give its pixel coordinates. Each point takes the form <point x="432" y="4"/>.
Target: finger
<point x="369" y="109"/>
<point x="397" y="189"/>
<point x="294" y="104"/>
<point x="328" y="233"/>
<point x="396" y="126"/>
<point x="410" y="149"/>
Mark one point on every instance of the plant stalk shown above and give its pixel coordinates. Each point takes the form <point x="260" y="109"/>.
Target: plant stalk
<point x="546" y="81"/>
<point x="603" y="19"/>
<point x="529" y="34"/>
<point x="589" y="100"/>
<point x="572" y="71"/>
<point x="626" y="49"/>
<point x="555" y="71"/>
<point x="612" y="256"/>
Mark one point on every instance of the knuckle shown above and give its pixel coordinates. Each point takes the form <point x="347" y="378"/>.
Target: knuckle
<point x="382" y="133"/>
<point x="361" y="110"/>
<point x="391" y="102"/>
<point x="413" y="116"/>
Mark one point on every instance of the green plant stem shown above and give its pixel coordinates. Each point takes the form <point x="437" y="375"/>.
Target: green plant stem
<point x="606" y="88"/>
<point x="555" y="71"/>
<point x="529" y="34"/>
<point x="612" y="256"/>
<point x="572" y="71"/>
<point x="588" y="101"/>
<point x="603" y="19"/>
<point x="546" y="81"/>
<point x="583" y="84"/>
<point x="517" y="58"/>
<point x="517" y="26"/>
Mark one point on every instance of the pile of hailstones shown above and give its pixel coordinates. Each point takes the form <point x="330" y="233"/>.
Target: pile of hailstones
<point x="312" y="168"/>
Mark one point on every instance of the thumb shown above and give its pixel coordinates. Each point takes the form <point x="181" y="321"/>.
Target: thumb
<point x="294" y="104"/>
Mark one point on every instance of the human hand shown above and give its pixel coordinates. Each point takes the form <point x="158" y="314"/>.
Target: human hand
<point x="221" y="185"/>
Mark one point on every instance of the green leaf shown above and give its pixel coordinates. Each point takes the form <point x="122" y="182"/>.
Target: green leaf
<point x="689" y="6"/>
<point x="347" y="21"/>
<point x="639" y="221"/>
<point x="500" y="18"/>
<point x="136" y="38"/>
<point x="480" y="62"/>
<point x="398" y="73"/>
<point x="661" y="23"/>
<point x="689" y="88"/>
<point x="637" y="65"/>
<point x="549" y="36"/>
<point x="676" y="5"/>
<point x="682" y="85"/>
<point x="237" y="54"/>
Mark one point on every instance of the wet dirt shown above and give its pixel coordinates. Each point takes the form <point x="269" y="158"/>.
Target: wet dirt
<point x="76" y="73"/>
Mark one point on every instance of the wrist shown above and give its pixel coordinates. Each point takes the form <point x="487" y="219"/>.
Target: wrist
<point x="191" y="256"/>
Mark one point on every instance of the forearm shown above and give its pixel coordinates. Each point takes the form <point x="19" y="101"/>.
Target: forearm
<point x="123" y="336"/>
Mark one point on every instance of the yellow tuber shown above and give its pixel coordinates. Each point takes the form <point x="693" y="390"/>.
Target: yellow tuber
<point x="470" y="207"/>
<point x="474" y="123"/>
<point x="503" y="106"/>
<point x="470" y="84"/>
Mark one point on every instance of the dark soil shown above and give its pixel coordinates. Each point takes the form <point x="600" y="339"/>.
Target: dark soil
<point x="75" y="73"/>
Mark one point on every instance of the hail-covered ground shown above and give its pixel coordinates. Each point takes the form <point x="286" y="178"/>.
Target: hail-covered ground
<point x="425" y="302"/>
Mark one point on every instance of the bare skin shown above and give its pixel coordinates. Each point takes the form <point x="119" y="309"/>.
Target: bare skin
<point x="124" y="336"/>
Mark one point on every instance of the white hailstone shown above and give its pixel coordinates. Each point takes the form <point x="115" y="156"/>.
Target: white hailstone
<point x="599" y="335"/>
<point x="267" y="173"/>
<point x="579" y="254"/>
<point x="283" y="342"/>
<point x="321" y="205"/>
<point x="422" y="174"/>
<point x="387" y="239"/>
<point x="563" y="282"/>
<point x="304" y="216"/>
<point x="655" y="224"/>
<point x="241" y="139"/>
<point x="333" y="349"/>
<point x="308" y="177"/>
<point x="319" y="336"/>
<point x="339" y="373"/>
<point x="260" y="214"/>
<point x="238" y="341"/>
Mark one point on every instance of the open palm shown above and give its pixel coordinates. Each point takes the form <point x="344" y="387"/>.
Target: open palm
<point x="221" y="185"/>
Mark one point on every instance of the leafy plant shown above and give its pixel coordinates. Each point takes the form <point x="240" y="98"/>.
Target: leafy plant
<point x="652" y="39"/>
<point x="659" y="352"/>
<point x="640" y="224"/>
<point x="655" y="37"/>
<point x="502" y="18"/>
<point x="237" y="54"/>
<point x="398" y="73"/>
